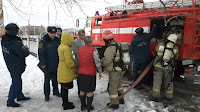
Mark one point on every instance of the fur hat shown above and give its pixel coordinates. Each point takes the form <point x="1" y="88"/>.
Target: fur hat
<point x="51" y="29"/>
<point x="11" y="29"/>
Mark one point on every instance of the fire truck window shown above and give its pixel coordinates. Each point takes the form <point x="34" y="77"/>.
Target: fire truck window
<point x="98" y="22"/>
<point x="88" y="23"/>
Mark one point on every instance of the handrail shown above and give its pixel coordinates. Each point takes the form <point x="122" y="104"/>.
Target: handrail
<point x="154" y="5"/>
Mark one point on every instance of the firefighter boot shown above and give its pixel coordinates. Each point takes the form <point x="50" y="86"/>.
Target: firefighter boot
<point x="121" y="101"/>
<point x="156" y="99"/>
<point x="89" y="103"/>
<point x="83" y="104"/>
<point x="113" y="106"/>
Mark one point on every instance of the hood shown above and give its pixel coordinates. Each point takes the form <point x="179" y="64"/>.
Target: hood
<point x="139" y="38"/>
<point x="7" y="38"/>
<point x="67" y="39"/>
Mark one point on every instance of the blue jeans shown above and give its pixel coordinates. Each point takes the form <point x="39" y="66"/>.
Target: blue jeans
<point x="15" y="88"/>
<point x="53" y="78"/>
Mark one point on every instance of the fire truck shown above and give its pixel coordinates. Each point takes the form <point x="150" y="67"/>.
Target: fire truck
<point x="181" y="16"/>
<point x="1" y="20"/>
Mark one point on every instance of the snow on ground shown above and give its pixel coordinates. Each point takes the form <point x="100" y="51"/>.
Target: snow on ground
<point x="33" y="87"/>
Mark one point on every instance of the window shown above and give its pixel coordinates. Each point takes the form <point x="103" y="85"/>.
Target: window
<point x="98" y="21"/>
<point x="88" y="23"/>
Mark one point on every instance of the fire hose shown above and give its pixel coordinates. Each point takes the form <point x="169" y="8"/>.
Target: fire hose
<point x="132" y="86"/>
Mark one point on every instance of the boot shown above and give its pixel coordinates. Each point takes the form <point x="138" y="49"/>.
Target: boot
<point x="14" y="105"/>
<point x="156" y="99"/>
<point x="23" y="99"/>
<point x="83" y="104"/>
<point x="89" y="103"/>
<point x="46" y="98"/>
<point x="57" y="94"/>
<point x="113" y="106"/>
<point x="68" y="106"/>
<point x="121" y="101"/>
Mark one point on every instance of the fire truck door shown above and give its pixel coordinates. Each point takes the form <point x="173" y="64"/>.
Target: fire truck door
<point x="88" y="27"/>
<point x="197" y="39"/>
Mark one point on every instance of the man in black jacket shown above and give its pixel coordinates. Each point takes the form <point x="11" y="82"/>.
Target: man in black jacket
<point x="14" y="53"/>
<point x="140" y="51"/>
<point x="48" y="57"/>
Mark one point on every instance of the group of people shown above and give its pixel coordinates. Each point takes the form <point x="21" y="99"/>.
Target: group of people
<point x="163" y="66"/>
<point x="63" y="59"/>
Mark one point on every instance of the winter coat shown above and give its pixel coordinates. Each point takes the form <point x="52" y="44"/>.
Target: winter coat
<point x="48" y="53"/>
<point x="14" y="53"/>
<point x="76" y="45"/>
<point x="140" y="46"/>
<point x="66" y="68"/>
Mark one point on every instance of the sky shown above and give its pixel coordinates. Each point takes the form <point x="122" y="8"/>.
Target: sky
<point x="35" y="12"/>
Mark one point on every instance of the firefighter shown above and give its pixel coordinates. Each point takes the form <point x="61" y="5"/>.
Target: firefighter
<point x="14" y="53"/>
<point x="111" y="64"/>
<point x="48" y="61"/>
<point x="167" y="52"/>
<point x="139" y="48"/>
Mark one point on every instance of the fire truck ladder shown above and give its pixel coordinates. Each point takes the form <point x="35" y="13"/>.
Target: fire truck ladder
<point x="152" y="5"/>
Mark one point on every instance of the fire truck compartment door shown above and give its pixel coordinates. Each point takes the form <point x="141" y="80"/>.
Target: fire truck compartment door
<point x="88" y="27"/>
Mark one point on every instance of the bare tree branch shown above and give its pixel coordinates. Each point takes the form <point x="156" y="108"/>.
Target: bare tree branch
<point x="80" y="7"/>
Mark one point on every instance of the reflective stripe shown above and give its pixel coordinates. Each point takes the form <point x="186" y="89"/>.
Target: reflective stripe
<point x="169" y="92"/>
<point x="113" y="96"/>
<point x="159" y="66"/>
<point x="159" y="53"/>
<point x="119" y="89"/>
<point x="156" y="90"/>
<point x="117" y="69"/>
<point x="116" y="59"/>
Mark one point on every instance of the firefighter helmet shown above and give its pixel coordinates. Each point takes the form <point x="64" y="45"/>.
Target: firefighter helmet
<point x="107" y="35"/>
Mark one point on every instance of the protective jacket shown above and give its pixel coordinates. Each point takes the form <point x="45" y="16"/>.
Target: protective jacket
<point x="163" y="74"/>
<point x="14" y="53"/>
<point x="66" y="68"/>
<point x="48" y="53"/>
<point x="86" y="61"/>
<point x="115" y="72"/>
<point x="111" y="55"/>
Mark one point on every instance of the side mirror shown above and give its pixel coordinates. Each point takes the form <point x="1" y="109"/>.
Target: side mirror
<point x="77" y="23"/>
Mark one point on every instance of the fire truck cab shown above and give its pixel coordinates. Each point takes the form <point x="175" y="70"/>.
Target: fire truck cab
<point x="182" y="17"/>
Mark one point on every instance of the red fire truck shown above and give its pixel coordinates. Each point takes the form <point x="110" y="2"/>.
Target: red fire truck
<point x="1" y="20"/>
<point x="181" y="16"/>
